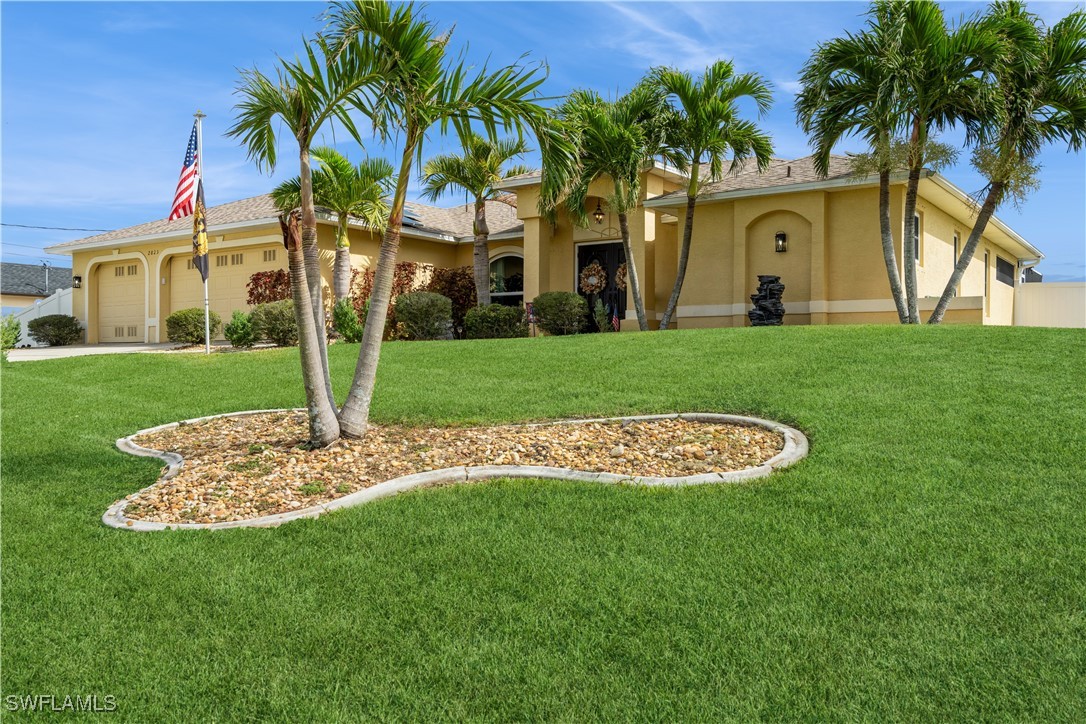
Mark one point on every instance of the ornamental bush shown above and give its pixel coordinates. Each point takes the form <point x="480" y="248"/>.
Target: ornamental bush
<point x="560" y="312"/>
<point x="495" y="321"/>
<point x="458" y="284"/>
<point x="240" y="330"/>
<point x="268" y="286"/>
<point x="55" y="330"/>
<point x="186" y="326"/>
<point x="11" y="332"/>
<point x="275" y="322"/>
<point x="345" y="321"/>
<point x="425" y="315"/>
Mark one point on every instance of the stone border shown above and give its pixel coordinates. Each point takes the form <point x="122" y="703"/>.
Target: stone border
<point x="795" y="449"/>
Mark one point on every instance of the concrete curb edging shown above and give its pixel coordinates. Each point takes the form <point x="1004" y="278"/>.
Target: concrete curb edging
<point x="795" y="449"/>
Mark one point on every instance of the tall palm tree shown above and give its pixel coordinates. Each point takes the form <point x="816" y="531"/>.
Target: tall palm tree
<point x="617" y="140"/>
<point x="304" y="94"/>
<point x="348" y="191"/>
<point x="1039" y="94"/>
<point x="849" y="89"/>
<point x="417" y="87"/>
<point x="939" y="76"/>
<point x="476" y="171"/>
<point x="708" y="126"/>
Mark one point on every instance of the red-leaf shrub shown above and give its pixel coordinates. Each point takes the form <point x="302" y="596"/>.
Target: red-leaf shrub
<point x="458" y="284"/>
<point x="409" y="276"/>
<point x="268" y="286"/>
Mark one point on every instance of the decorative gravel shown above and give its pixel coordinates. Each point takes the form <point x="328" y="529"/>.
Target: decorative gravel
<point x="244" y="467"/>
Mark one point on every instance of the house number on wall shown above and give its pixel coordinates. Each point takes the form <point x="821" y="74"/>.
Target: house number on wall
<point x="152" y="252"/>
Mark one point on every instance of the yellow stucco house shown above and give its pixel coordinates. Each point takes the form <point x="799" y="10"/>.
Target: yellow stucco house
<point x="831" y="266"/>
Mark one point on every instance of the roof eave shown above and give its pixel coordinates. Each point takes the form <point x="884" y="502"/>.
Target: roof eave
<point x="675" y="200"/>
<point x="944" y="183"/>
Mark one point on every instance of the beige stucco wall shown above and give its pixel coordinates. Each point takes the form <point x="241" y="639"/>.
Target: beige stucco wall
<point x="833" y="270"/>
<point x="18" y="300"/>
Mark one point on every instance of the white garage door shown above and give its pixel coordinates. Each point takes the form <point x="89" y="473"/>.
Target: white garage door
<point x="120" y="302"/>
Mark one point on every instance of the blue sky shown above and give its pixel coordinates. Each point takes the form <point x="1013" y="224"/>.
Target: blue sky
<point x="97" y="98"/>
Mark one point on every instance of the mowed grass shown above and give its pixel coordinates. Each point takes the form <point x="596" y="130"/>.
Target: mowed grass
<point x="926" y="562"/>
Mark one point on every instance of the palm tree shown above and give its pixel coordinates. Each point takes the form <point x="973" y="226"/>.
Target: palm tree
<point x="347" y="191"/>
<point x="848" y="89"/>
<point x="416" y="87"/>
<point x="707" y="127"/>
<point x="1039" y="92"/>
<point x="939" y="77"/>
<point x="616" y="140"/>
<point x="476" y="171"/>
<point x="304" y="94"/>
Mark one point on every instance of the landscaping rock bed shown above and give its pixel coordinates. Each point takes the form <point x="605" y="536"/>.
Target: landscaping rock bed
<point x="237" y="468"/>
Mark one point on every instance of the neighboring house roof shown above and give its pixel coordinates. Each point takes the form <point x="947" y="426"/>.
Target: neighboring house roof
<point x="455" y="223"/>
<point x="29" y="279"/>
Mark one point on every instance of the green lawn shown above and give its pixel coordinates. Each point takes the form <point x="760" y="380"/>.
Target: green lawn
<point x="926" y="562"/>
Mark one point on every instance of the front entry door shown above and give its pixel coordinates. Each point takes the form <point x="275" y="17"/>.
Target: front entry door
<point x="610" y="257"/>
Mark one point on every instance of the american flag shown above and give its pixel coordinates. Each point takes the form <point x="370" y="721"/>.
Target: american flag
<point x="184" y="198"/>
<point x="614" y="318"/>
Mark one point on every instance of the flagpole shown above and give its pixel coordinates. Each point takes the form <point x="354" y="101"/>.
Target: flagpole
<point x="200" y="116"/>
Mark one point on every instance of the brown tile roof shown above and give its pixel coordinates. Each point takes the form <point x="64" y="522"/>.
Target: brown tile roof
<point x="455" y="221"/>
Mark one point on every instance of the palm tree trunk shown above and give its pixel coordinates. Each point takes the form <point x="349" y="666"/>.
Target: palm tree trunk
<point x="909" y="242"/>
<point x="355" y="414"/>
<point x="341" y="273"/>
<point x="631" y="273"/>
<point x="481" y="256"/>
<point x="888" y="247"/>
<point x="995" y="195"/>
<point x="323" y="425"/>
<point x="684" y="257"/>
<point x="311" y="254"/>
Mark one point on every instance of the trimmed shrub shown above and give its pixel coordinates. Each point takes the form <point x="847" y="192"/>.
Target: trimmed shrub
<point x="495" y="321"/>
<point x="560" y="312"/>
<point x="240" y="330"/>
<point x="275" y="322"/>
<point x="407" y="277"/>
<point x="186" y="326"/>
<point x="345" y="321"/>
<point x="458" y="284"/>
<point x="268" y="286"/>
<point x="425" y="315"/>
<point x="55" y="330"/>
<point x="11" y="332"/>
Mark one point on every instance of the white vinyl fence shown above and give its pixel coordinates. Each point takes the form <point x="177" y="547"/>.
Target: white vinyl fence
<point x="59" y="303"/>
<point x="1050" y="304"/>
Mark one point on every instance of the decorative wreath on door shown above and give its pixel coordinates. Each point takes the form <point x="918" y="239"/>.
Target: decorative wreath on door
<point x="620" y="276"/>
<point x="593" y="278"/>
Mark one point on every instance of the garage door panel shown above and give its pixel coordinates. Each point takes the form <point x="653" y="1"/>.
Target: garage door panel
<point x="228" y="279"/>
<point x="121" y="292"/>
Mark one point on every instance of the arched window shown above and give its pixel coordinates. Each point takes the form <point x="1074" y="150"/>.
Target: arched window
<point x="507" y="280"/>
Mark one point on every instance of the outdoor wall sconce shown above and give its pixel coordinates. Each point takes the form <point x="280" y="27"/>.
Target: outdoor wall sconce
<point x="77" y="282"/>
<point x="781" y="242"/>
<point x="598" y="213"/>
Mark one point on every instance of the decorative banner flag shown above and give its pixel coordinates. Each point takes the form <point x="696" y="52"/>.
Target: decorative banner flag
<point x="184" y="198"/>
<point x="199" y="231"/>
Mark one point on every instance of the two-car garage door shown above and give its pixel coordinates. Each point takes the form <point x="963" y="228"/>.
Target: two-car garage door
<point x="227" y="282"/>
<point x="120" y="302"/>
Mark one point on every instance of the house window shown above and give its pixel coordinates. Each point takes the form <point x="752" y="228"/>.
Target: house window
<point x="507" y="280"/>
<point x="1004" y="271"/>
<point x="957" y="253"/>
<point x="220" y="260"/>
<point x="269" y="255"/>
<point x="916" y="235"/>
<point x="237" y="259"/>
<point x="986" y="283"/>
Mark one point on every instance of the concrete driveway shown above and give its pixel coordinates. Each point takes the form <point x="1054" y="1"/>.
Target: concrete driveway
<point x="80" y="350"/>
